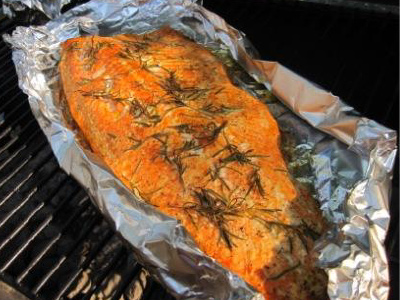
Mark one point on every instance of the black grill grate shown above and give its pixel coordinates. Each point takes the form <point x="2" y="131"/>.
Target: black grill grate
<point x="53" y="242"/>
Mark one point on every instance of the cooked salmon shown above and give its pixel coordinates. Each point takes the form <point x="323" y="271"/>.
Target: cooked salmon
<point x="162" y="113"/>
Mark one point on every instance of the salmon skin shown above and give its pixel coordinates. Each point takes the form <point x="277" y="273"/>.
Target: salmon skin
<point x="163" y="114"/>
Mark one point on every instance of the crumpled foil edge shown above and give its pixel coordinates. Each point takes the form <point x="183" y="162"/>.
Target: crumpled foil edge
<point x="51" y="8"/>
<point x="352" y="252"/>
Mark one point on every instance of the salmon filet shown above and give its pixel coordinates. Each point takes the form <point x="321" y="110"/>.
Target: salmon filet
<point x="163" y="114"/>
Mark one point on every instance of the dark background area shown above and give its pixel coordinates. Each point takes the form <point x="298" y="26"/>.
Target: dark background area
<point x="51" y="235"/>
<point x="352" y="53"/>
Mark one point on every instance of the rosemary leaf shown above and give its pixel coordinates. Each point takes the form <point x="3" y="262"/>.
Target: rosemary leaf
<point x="284" y="272"/>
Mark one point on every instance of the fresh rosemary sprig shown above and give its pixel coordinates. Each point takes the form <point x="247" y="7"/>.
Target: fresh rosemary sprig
<point x="184" y="128"/>
<point x="211" y="109"/>
<point x="235" y="155"/>
<point x="187" y="146"/>
<point x="314" y="235"/>
<point x="204" y="135"/>
<point x="91" y="54"/>
<point x="127" y="53"/>
<point x="242" y="157"/>
<point x="133" y="49"/>
<point x="220" y="210"/>
<point x="151" y="68"/>
<point x="215" y="175"/>
<point x="177" y="161"/>
<point x="210" y="133"/>
<point x="290" y="242"/>
<point x="297" y="230"/>
<point x="144" y="116"/>
<point x="174" y="158"/>
<point x="180" y="167"/>
<point x="255" y="183"/>
<point x="284" y="272"/>
<point x="181" y="94"/>
<point x="137" y="46"/>
<point x="103" y="95"/>
<point x="135" y="143"/>
<point x="73" y="47"/>
<point x="111" y="135"/>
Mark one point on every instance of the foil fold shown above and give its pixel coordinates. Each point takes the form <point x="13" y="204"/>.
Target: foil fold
<point x="50" y="8"/>
<point x="347" y="159"/>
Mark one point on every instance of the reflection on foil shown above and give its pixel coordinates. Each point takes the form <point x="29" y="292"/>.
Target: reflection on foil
<point x="51" y="8"/>
<point x="345" y="158"/>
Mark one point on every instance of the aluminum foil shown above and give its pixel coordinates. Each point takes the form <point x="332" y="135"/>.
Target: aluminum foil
<point x="346" y="159"/>
<point x="51" y="8"/>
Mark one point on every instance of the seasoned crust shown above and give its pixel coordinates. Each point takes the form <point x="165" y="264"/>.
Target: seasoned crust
<point x="161" y="112"/>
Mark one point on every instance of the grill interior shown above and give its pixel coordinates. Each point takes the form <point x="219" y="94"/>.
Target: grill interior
<point x="53" y="242"/>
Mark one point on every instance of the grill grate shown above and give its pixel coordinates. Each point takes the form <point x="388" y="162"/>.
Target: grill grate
<point x="53" y="242"/>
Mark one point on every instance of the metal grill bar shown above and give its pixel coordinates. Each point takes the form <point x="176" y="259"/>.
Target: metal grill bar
<point x="50" y="242"/>
<point x="17" y="118"/>
<point x="99" y="244"/>
<point x="40" y="284"/>
<point x="128" y="276"/>
<point x="26" y="178"/>
<point x="119" y="255"/>
<point x="20" y="205"/>
<point x="30" y="148"/>
<point x="27" y="219"/>
<point x="57" y="188"/>
<point x="36" y="136"/>
<point x="82" y="205"/>
<point x="15" y="138"/>
<point x="12" y="78"/>
<point x="16" y="94"/>
<point x="73" y="277"/>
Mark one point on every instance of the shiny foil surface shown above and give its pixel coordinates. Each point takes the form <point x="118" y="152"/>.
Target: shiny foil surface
<point x="51" y="8"/>
<point x="346" y="159"/>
